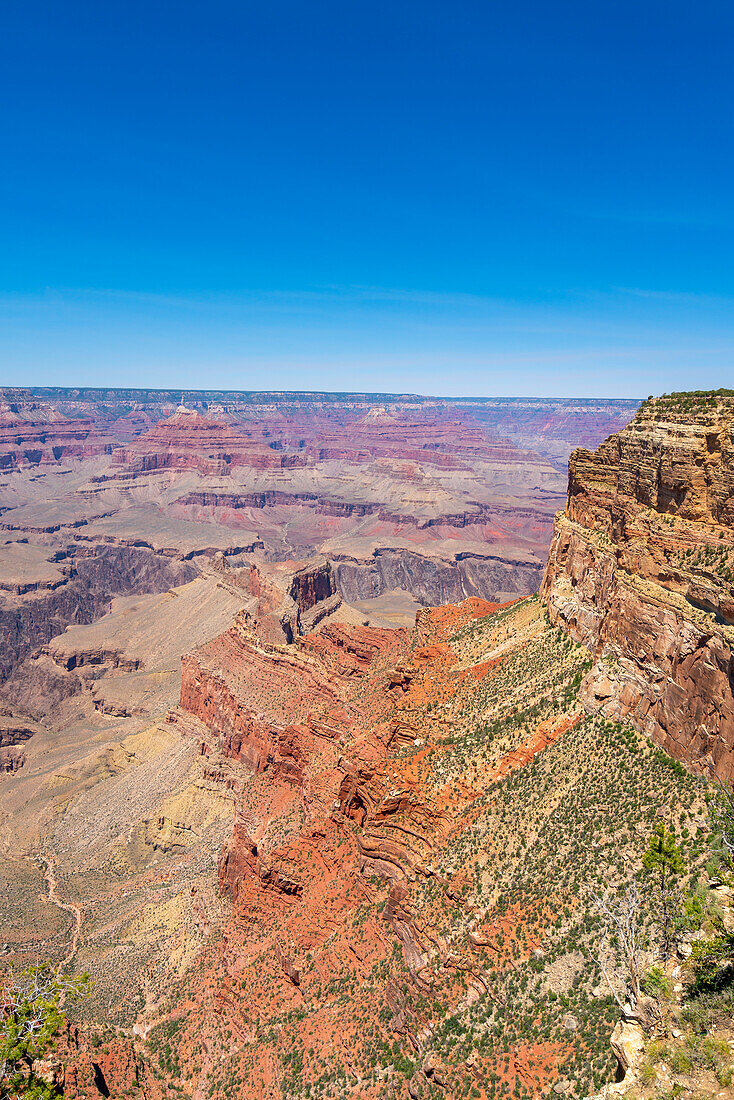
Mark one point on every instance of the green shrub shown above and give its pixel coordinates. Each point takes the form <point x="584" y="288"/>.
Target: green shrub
<point x="678" y="1060"/>
<point x="692" y="911"/>
<point x="711" y="963"/>
<point x="647" y="1073"/>
<point x="655" y="983"/>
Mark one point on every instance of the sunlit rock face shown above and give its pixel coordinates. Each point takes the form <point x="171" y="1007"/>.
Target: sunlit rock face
<point x="641" y="570"/>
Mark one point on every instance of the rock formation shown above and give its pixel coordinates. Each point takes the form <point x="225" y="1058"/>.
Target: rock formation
<point x="641" y="570"/>
<point x="187" y="440"/>
<point x="328" y="858"/>
<point x="84" y="579"/>
<point x="13" y="733"/>
<point x="374" y="873"/>
<point x="402" y="493"/>
<point x="550" y="426"/>
<point x="35" y="432"/>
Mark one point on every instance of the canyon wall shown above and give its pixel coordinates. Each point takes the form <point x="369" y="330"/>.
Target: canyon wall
<point x="433" y="580"/>
<point x="399" y="819"/>
<point x="437" y="498"/>
<point x="549" y="426"/>
<point x="89" y="575"/>
<point x="641" y="571"/>
<point x="410" y="832"/>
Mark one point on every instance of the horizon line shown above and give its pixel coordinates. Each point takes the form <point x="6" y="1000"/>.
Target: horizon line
<point x="397" y="395"/>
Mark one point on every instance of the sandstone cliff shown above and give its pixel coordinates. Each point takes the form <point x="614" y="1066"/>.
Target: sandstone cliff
<point x="641" y="571"/>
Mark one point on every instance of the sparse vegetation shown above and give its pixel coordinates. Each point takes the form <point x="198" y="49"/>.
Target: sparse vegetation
<point x="31" y="1018"/>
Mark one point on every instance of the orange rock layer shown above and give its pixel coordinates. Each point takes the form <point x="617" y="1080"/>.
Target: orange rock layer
<point x="343" y="812"/>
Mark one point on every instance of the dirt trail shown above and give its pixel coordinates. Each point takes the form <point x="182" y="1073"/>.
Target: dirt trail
<point x="68" y="907"/>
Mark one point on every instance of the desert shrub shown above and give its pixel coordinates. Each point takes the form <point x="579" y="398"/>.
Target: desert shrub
<point x="711" y="963"/>
<point x="655" y="983"/>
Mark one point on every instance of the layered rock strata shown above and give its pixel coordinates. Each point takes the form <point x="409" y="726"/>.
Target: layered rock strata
<point x="405" y="849"/>
<point x="408" y="493"/>
<point x="434" y="580"/>
<point x="189" y="441"/>
<point x="35" y="433"/>
<point x="641" y="570"/>
<point x="550" y="426"/>
<point x="88" y="577"/>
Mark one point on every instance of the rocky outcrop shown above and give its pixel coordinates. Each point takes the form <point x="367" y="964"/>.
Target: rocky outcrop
<point x="289" y="598"/>
<point x="89" y="1064"/>
<point x="297" y="710"/>
<point x="14" y="732"/>
<point x="641" y="570"/>
<point x="189" y="441"/>
<point x="271" y="704"/>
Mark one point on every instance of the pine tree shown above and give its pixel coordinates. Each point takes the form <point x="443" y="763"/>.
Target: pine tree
<point x="664" y="862"/>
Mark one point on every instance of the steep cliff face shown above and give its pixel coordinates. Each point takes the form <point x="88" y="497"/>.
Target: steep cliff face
<point x="289" y="597"/>
<point x="641" y="570"/>
<point x="89" y="575"/>
<point x="434" y="580"/>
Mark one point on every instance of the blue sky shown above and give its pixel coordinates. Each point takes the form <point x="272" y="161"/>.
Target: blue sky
<point x="447" y="198"/>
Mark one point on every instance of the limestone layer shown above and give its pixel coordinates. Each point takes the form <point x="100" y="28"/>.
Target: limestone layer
<point x="641" y="570"/>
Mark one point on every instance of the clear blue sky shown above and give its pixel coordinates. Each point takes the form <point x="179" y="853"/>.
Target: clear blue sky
<point x="448" y="198"/>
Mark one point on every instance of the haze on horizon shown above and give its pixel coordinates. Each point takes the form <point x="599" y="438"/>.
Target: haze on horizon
<point x="469" y="199"/>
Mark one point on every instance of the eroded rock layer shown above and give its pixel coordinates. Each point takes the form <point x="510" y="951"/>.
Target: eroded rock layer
<point x="410" y="831"/>
<point x="85" y="577"/>
<point x="408" y="494"/>
<point x="641" y="570"/>
<point x="350" y="865"/>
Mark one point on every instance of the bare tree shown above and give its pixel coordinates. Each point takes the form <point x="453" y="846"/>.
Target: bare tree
<point x="620" y="949"/>
<point x="721" y="808"/>
<point x="31" y="1017"/>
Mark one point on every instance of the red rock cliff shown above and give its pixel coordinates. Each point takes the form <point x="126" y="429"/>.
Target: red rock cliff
<point x="641" y="570"/>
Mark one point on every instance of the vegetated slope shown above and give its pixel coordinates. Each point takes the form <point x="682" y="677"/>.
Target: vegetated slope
<point x="410" y="864"/>
<point x="641" y="570"/>
<point x="412" y="821"/>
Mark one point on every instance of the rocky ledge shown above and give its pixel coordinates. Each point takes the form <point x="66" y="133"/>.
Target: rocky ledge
<point x="641" y="571"/>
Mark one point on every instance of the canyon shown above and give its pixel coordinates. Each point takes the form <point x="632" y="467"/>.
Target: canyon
<point x="401" y="494"/>
<point x="333" y="841"/>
